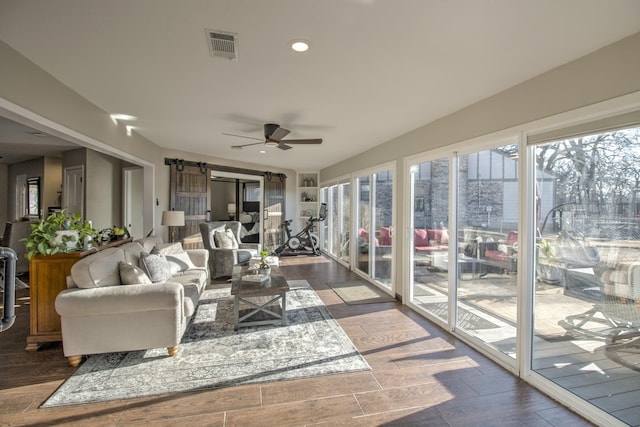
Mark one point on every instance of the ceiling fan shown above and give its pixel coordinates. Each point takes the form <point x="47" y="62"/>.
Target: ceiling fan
<point x="273" y="135"/>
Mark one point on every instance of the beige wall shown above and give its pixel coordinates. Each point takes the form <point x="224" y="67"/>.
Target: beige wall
<point x="103" y="190"/>
<point x="45" y="99"/>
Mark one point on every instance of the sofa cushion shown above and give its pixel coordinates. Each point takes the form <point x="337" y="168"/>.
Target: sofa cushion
<point x="385" y="236"/>
<point x="148" y="243"/>
<point x="132" y="252"/>
<point x="156" y="266"/>
<point x="132" y="275"/>
<point x="169" y="248"/>
<point x="98" y="270"/>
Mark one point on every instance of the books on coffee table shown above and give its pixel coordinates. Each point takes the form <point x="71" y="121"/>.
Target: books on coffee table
<point x="256" y="278"/>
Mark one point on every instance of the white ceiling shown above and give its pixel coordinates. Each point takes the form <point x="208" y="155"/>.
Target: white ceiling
<point x="376" y="68"/>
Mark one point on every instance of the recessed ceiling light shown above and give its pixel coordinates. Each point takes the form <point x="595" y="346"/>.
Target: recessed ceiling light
<point x="299" y="45"/>
<point x="263" y="151"/>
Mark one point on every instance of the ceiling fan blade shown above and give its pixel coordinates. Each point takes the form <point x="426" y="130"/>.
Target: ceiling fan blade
<point x="246" y="145"/>
<point x="303" y="141"/>
<point x="283" y="146"/>
<point x="242" y="136"/>
<point x="278" y="134"/>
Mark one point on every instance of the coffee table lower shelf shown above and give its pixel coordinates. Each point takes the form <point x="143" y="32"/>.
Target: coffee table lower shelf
<point x="256" y="310"/>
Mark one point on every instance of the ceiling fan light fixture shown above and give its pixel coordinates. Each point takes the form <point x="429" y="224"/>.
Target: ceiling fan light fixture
<point x="299" y="45"/>
<point x="271" y="143"/>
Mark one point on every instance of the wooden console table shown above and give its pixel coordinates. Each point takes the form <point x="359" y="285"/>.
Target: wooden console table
<point x="47" y="278"/>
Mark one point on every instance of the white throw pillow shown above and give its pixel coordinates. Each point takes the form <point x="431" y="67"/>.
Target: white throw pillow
<point x="226" y="240"/>
<point x="179" y="261"/>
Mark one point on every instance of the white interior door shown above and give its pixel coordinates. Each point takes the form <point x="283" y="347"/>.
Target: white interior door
<point x="73" y="190"/>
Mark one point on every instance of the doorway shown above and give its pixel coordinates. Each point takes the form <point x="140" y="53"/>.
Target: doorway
<point x="238" y="197"/>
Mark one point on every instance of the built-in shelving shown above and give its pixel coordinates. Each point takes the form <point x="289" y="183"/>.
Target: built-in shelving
<point x="308" y="195"/>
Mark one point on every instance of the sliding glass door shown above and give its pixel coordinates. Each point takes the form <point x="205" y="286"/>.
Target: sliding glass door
<point x="336" y="228"/>
<point x="375" y="226"/>
<point x="429" y="236"/>
<point x="487" y="262"/>
<point x="586" y="335"/>
<point x="473" y="270"/>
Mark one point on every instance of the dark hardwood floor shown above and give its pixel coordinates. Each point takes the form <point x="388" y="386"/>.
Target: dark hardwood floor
<point x="421" y="376"/>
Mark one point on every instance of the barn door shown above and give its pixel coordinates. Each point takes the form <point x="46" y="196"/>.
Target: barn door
<point x="189" y="189"/>
<point x="273" y="214"/>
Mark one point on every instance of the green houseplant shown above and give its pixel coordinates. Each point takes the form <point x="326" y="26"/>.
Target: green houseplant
<point x="59" y="232"/>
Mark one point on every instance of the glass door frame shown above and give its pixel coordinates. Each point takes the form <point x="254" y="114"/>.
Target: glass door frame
<point x="355" y="222"/>
<point x="453" y="154"/>
<point x="326" y="232"/>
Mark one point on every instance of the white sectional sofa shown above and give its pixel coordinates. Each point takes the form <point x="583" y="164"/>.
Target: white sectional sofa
<point x="112" y="305"/>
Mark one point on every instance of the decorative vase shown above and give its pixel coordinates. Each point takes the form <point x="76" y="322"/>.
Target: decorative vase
<point x="71" y="244"/>
<point x="264" y="268"/>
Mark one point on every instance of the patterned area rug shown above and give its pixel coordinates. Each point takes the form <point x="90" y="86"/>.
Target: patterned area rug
<point x="213" y="355"/>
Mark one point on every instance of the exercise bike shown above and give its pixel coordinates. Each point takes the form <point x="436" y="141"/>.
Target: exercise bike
<point x="305" y="242"/>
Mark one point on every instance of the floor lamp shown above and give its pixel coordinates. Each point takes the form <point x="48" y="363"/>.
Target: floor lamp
<point x="173" y="219"/>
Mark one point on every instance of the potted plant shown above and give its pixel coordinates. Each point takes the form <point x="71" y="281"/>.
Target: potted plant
<point x="264" y="267"/>
<point x="59" y="232"/>
<point x="120" y="233"/>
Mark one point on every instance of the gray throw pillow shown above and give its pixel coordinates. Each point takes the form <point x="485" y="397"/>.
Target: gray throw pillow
<point x="156" y="266"/>
<point x="132" y="275"/>
<point x="226" y="240"/>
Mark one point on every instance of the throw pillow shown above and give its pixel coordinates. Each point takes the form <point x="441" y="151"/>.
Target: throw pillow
<point x="132" y="275"/>
<point x="226" y="240"/>
<point x="179" y="262"/>
<point x="156" y="267"/>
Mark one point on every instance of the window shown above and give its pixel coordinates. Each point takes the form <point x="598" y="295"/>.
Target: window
<point x="587" y="270"/>
<point x="33" y="197"/>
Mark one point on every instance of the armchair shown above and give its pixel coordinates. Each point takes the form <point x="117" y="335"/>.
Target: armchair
<point x="222" y="257"/>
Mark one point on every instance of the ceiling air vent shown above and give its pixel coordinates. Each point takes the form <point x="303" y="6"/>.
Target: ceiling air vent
<point x="222" y="44"/>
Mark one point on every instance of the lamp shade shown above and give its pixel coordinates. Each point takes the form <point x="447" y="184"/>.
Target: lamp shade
<point x="231" y="207"/>
<point x="173" y="218"/>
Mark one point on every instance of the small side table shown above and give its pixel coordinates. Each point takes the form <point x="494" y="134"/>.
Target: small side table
<point x="257" y="304"/>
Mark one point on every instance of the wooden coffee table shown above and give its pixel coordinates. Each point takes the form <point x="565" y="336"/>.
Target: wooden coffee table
<point x="259" y="303"/>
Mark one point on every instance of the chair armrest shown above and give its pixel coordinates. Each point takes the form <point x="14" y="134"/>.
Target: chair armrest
<point x="199" y="257"/>
<point x="119" y="299"/>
